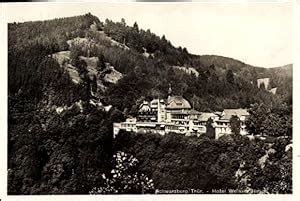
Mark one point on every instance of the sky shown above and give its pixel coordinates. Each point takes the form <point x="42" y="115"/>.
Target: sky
<point x="259" y="34"/>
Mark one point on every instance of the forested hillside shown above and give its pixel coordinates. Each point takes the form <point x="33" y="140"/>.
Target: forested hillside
<point x="64" y="73"/>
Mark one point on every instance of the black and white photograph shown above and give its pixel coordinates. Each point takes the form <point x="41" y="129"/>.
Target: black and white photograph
<point x="149" y="98"/>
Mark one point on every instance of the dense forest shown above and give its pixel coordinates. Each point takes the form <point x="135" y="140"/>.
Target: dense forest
<point x="60" y="141"/>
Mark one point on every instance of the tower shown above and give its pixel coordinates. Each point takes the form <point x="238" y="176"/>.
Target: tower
<point x="170" y="90"/>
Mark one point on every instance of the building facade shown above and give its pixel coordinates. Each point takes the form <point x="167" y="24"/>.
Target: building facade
<point x="222" y="123"/>
<point x="176" y="115"/>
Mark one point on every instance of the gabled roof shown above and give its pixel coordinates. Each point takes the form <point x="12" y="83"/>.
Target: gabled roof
<point x="177" y="102"/>
<point x="206" y="115"/>
<point x="228" y="113"/>
<point x="193" y="111"/>
<point x="144" y="107"/>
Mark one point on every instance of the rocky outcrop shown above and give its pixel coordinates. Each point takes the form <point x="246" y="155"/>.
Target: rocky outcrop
<point x="107" y="75"/>
<point x="188" y="70"/>
<point x="264" y="81"/>
<point x="273" y="90"/>
<point x="113" y="76"/>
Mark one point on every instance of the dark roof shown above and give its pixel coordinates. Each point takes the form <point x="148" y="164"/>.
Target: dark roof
<point x="192" y="111"/>
<point x="177" y="102"/>
<point x="228" y="113"/>
<point x="206" y="115"/>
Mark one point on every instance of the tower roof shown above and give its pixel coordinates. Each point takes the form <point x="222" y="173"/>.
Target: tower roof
<point x="170" y="90"/>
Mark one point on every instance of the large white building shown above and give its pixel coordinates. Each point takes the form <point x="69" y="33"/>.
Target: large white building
<point x="175" y="114"/>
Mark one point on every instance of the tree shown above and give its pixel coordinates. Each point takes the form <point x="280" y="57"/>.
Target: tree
<point x="230" y="76"/>
<point x="123" y="23"/>
<point x="235" y="124"/>
<point x="74" y="55"/>
<point x="258" y="114"/>
<point x="124" y="178"/>
<point x="184" y="50"/>
<point x="81" y="66"/>
<point x="210" y="130"/>
<point x="101" y="62"/>
<point x="273" y="175"/>
<point x="136" y="27"/>
<point x="271" y="120"/>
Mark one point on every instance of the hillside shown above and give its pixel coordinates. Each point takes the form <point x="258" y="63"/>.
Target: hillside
<point x="69" y="79"/>
<point x="123" y="47"/>
<point x="226" y="63"/>
<point x="282" y="71"/>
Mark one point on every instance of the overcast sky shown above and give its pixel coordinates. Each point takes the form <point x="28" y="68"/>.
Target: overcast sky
<point x="259" y="34"/>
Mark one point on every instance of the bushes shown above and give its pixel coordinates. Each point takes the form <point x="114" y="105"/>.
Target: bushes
<point x="67" y="150"/>
<point x="172" y="161"/>
<point x="270" y="120"/>
<point x="124" y="178"/>
<point x="180" y="162"/>
<point x="49" y="33"/>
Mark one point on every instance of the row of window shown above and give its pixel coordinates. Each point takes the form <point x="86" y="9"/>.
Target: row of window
<point x="179" y="116"/>
<point x="124" y="125"/>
